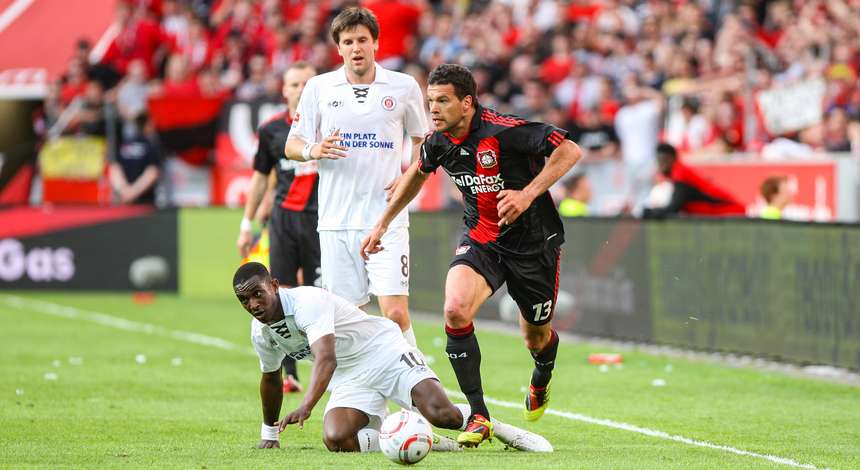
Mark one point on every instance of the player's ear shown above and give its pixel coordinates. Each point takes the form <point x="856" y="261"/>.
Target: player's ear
<point x="376" y="45"/>
<point x="275" y="283"/>
<point x="467" y="102"/>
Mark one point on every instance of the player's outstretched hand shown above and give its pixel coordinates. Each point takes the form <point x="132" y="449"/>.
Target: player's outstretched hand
<point x="372" y="243"/>
<point x="266" y="444"/>
<point x="296" y="417"/>
<point x="331" y="147"/>
<point x="511" y="205"/>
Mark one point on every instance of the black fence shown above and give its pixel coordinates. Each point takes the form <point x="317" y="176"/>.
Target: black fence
<point x="783" y="290"/>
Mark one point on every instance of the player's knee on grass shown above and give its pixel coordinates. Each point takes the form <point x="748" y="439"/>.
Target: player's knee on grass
<point x="340" y="440"/>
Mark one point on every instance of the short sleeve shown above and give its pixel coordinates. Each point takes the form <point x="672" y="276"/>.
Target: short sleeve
<point x="415" y="118"/>
<point x="534" y="139"/>
<point x="270" y="358"/>
<point x="314" y="313"/>
<point x="307" y="120"/>
<point x="429" y="159"/>
<point x="263" y="160"/>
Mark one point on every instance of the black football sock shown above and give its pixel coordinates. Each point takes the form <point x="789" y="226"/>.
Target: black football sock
<point x="545" y="362"/>
<point x="465" y="357"/>
<point x="290" y="367"/>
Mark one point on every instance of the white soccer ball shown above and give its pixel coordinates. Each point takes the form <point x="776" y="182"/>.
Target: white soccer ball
<point x="405" y="437"/>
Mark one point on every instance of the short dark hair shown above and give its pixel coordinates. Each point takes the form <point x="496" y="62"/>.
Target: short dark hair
<point x="667" y="150"/>
<point x="250" y="270"/>
<point x="770" y="186"/>
<point x="459" y="77"/>
<point x="352" y="17"/>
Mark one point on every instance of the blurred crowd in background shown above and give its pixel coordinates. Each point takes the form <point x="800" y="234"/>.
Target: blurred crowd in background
<point x="620" y="75"/>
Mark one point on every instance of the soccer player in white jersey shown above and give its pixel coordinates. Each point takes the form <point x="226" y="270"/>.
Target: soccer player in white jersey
<point x="354" y="121"/>
<point x="362" y="359"/>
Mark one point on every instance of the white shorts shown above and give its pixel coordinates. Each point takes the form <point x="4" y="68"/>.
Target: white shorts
<point x="346" y="274"/>
<point x="368" y="390"/>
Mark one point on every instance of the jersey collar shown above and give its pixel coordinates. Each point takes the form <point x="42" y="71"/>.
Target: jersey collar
<point x="382" y="75"/>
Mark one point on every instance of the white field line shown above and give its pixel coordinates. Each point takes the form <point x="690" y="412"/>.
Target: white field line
<point x="12" y="12"/>
<point x="111" y="321"/>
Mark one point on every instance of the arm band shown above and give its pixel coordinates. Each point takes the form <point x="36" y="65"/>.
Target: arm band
<point x="306" y="151"/>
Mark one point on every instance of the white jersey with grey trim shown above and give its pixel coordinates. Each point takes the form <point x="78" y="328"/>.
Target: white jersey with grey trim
<point x="311" y="313"/>
<point x="374" y="121"/>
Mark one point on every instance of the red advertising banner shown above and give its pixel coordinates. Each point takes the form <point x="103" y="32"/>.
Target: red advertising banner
<point x="230" y="185"/>
<point x="813" y="183"/>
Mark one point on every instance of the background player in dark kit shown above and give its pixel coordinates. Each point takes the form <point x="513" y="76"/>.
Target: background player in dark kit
<point x="513" y="231"/>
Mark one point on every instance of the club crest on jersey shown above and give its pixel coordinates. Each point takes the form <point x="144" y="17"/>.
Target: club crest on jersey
<point x="487" y="158"/>
<point x="389" y="103"/>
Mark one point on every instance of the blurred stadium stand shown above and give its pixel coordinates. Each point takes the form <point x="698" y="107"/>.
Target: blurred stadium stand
<point x="766" y="83"/>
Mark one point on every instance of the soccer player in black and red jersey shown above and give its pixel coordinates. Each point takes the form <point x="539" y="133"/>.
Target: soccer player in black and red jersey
<point x="513" y="232"/>
<point x="294" y="243"/>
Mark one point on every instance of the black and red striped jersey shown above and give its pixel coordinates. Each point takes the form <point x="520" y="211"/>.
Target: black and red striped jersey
<point x="500" y="152"/>
<point x="296" y="189"/>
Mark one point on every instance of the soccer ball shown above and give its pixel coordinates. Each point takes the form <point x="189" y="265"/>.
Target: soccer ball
<point x="405" y="437"/>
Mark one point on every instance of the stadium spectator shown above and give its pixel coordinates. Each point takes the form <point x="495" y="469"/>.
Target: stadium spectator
<point x="691" y="194"/>
<point x="777" y="195"/>
<point x="255" y="85"/>
<point x="578" y="194"/>
<point x="399" y="20"/>
<point x="137" y="165"/>
<point x="638" y="124"/>
<point x="90" y="117"/>
<point x="595" y="136"/>
<point x="132" y="92"/>
<point x="139" y="37"/>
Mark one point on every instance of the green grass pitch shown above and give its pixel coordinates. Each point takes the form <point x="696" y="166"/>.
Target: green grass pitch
<point x="74" y="394"/>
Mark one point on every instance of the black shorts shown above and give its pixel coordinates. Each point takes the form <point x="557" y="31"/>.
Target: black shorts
<point x="294" y="243"/>
<point x="532" y="282"/>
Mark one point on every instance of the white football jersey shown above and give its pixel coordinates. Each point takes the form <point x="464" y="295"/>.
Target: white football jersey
<point x="311" y="313"/>
<point x="373" y="121"/>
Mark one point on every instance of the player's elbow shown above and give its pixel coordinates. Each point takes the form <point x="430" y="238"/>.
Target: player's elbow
<point x="569" y="153"/>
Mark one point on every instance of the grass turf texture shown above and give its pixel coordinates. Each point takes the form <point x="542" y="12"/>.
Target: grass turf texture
<point x="111" y="411"/>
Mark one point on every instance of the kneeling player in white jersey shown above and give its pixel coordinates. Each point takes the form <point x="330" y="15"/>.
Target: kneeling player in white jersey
<point x="362" y="359"/>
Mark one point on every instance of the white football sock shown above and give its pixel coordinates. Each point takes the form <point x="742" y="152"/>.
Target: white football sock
<point x="368" y="440"/>
<point x="466" y="410"/>
<point x="410" y="337"/>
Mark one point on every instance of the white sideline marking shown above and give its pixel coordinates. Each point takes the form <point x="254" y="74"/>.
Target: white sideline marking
<point x="104" y="319"/>
<point x="120" y="323"/>
<point x="12" y="12"/>
<point x="640" y="430"/>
